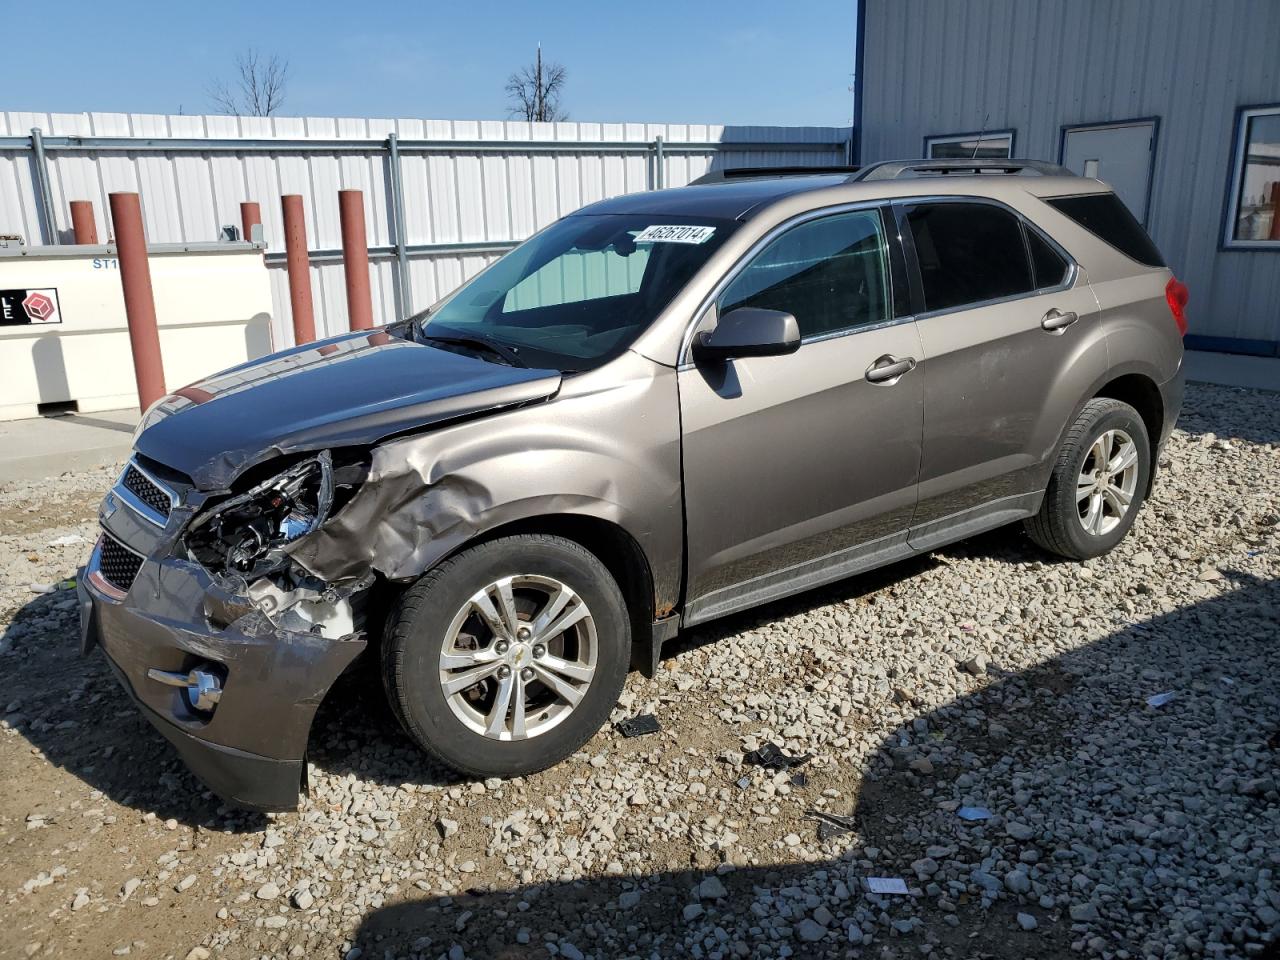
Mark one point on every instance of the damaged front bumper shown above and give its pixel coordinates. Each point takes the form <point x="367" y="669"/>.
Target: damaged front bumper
<point x="249" y="743"/>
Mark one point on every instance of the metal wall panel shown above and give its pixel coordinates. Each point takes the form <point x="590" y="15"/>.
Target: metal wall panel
<point x="935" y="67"/>
<point x="459" y="196"/>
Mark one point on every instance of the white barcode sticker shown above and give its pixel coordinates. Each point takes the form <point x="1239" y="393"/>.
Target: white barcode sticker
<point x="669" y="233"/>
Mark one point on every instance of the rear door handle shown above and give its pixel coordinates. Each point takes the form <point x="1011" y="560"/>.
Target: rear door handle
<point x="1055" y="321"/>
<point x="888" y="369"/>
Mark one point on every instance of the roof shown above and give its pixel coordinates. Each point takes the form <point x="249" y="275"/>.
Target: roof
<point x="745" y="193"/>
<point x="730" y="200"/>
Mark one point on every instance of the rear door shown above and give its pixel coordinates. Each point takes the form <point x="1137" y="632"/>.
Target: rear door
<point x="1012" y="341"/>
<point x="800" y="469"/>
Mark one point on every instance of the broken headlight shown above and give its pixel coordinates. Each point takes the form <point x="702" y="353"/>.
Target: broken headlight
<point x="247" y="534"/>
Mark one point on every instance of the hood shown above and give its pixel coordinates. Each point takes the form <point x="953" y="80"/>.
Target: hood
<point x="354" y="389"/>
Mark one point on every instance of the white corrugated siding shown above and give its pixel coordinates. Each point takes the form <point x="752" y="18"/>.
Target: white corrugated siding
<point x="458" y="197"/>
<point x="937" y="66"/>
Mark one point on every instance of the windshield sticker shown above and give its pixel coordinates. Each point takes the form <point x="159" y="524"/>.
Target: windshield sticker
<point x="667" y="233"/>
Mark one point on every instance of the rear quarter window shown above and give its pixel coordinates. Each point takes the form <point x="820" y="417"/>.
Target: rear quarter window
<point x="1106" y="217"/>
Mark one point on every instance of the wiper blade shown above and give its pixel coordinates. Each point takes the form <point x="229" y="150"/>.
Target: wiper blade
<point x="508" y="355"/>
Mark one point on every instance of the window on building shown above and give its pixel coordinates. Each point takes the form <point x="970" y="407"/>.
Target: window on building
<point x="994" y="144"/>
<point x="830" y="274"/>
<point x="1254" y="215"/>
<point x="968" y="253"/>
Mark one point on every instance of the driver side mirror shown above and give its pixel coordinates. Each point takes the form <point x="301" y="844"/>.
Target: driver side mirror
<point x="749" y="332"/>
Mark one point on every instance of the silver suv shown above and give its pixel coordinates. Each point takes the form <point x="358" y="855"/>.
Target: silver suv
<point x="664" y="408"/>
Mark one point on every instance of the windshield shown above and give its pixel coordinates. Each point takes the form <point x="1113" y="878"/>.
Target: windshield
<point x="577" y="294"/>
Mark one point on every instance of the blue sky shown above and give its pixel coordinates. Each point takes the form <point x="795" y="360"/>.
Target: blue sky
<point x="728" y="61"/>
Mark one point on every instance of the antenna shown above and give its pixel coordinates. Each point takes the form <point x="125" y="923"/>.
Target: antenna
<point x="985" y="118"/>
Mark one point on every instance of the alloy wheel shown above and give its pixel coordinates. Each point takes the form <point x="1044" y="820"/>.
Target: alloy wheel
<point x="518" y="657"/>
<point x="1107" y="483"/>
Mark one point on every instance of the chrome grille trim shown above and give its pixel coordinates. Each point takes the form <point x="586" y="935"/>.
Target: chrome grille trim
<point x="146" y="501"/>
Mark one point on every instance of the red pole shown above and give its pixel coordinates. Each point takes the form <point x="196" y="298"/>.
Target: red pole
<point x="295" y="245"/>
<point x="250" y="214"/>
<point x="1275" y="211"/>
<point x="355" y="259"/>
<point x="82" y="223"/>
<point x="139" y="302"/>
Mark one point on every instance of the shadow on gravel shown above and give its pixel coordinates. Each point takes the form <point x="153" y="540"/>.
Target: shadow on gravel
<point x="1154" y="817"/>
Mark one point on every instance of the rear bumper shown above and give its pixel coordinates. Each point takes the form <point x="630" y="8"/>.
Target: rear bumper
<point x="250" y="750"/>
<point x="1171" y="393"/>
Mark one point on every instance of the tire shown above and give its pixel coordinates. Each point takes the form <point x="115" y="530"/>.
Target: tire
<point x="468" y="729"/>
<point x="1066" y="524"/>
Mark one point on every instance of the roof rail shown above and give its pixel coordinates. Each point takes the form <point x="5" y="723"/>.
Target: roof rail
<point x="728" y="174"/>
<point x="901" y="169"/>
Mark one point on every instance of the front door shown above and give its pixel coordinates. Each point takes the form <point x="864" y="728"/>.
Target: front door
<point x="800" y="469"/>
<point x="1119" y="153"/>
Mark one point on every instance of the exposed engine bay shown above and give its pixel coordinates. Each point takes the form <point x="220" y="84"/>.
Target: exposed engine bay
<point x="243" y="538"/>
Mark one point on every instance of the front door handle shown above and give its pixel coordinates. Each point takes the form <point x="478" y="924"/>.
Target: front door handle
<point x="888" y="369"/>
<point x="1055" y="321"/>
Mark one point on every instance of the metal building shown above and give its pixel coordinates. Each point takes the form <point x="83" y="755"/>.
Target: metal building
<point x="1175" y="103"/>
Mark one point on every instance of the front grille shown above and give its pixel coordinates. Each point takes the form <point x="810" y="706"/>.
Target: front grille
<point x="119" y="565"/>
<point x="142" y="487"/>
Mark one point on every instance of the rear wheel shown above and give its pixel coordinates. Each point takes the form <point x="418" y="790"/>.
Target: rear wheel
<point x="508" y="657"/>
<point x="1098" y="482"/>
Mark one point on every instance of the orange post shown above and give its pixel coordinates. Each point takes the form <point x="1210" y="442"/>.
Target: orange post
<point x="299" y="262"/>
<point x="139" y="302"/>
<point x="250" y="214"/>
<point x="82" y="223"/>
<point x="1275" y="211"/>
<point x="355" y="259"/>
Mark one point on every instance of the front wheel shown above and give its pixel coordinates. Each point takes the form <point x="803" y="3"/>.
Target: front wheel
<point x="508" y="657"/>
<point x="1098" y="482"/>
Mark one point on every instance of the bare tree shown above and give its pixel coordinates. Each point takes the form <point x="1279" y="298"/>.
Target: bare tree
<point x="534" y="91"/>
<point x="258" y="88"/>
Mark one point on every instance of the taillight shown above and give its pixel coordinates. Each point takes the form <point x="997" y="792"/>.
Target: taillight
<point x="1176" y="292"/>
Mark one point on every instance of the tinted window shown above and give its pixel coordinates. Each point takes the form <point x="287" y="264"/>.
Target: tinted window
<point x="1103" y="215"/>
<point x="968" y="252"/>
<point x="830" y="274"/>
<point x="1049" y="267"/>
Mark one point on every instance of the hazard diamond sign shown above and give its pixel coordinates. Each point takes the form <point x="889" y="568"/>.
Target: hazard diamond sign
<point x="20" y="307"/>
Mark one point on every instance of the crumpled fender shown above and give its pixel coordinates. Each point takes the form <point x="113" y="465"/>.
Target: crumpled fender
<point x="608" y="446"/>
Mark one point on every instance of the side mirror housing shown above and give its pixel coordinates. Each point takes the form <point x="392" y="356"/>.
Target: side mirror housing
<point x="749" y="332"/>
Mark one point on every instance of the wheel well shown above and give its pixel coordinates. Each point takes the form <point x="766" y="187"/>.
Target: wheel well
<point x="1143" y="395"/>
<point x="612" y="546"/>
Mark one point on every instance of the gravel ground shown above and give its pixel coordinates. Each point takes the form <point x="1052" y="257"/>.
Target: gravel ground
<point x="981" y="676"/>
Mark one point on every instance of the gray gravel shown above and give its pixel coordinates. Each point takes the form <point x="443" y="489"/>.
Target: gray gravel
<point x="983" y="676"/>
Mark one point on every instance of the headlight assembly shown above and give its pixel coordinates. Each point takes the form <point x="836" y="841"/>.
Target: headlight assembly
<point x="247" y="533"/>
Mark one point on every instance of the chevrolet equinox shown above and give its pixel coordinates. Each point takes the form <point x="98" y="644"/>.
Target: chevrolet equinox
<point x="661" y="409"/>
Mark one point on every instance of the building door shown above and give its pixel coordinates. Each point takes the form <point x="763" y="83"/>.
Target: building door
<point x="1122" y="154"/>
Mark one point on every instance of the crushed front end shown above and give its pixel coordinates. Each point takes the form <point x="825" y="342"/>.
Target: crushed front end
<point x="225" y="643"/>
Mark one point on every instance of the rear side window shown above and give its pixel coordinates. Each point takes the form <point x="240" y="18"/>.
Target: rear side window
<point x="830" y="274"/>
<point x="1106" y="217"/>
<point x="968" y="253"/>
<point x="1047" y="264"/>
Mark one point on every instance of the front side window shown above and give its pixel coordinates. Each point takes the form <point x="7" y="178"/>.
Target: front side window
<point x="968" y="253"/>
<point x="996" y="145"/>
<point x="577" y="294"/>
<point x="830" y="274"/>
<point x="1254" y="218"/>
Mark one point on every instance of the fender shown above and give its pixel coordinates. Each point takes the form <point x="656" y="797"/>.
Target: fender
<point x="607" y="447"/>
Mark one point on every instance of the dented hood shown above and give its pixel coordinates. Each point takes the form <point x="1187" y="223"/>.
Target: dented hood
<point x="354" y="389"/>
